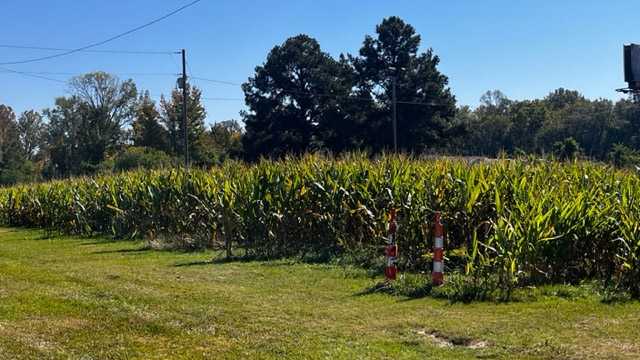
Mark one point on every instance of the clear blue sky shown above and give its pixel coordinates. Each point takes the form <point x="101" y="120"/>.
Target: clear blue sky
<point x="524" y="48"/>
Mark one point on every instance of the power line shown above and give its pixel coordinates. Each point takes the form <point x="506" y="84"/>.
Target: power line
<point x="311" y="94"/>
<point x="222" y="99"/>
<point x="201" y="98"/>
<point x="216" y="81"/>
<point x="39" y="74"/>
<point x="104" y="41"/>
<point x="113" y="73"/>
<point x="134" y="52"/>
<point x="31" y="75"/>
<point x="307" y="93"/>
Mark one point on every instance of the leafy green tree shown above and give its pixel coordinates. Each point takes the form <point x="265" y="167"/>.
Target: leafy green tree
<point x="135" y="157"/>
<point x="540" y="126"/>
<point x="527" y="119"/>
<point x="9" y="144"/>
<point x="147" y="129"/>
<point x="623" y="156"/>
<point x="225" y="139"/>
<point x="627" y="114"/>
<point x="294" y="100"/>
<point x="63" y="137"/>
<point x="464" y="119"/>
<point x="568" y="149"/>
<point x="489" y="127"/>
<point x="591" y="123"/>
<point x="89" y="124"/>
<point x="32" y="133"/>
<point x="595" y="128"/>
<point x="14" y="165"/>
<point x="10" y="150"/>
<point x="426" y="105"/>
<point x="561" y="99"/>
<point x="172" y="121"/>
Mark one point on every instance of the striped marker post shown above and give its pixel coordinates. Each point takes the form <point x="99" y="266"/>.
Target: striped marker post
<point x="437" y="274"/>
<point x="391" y="251"/>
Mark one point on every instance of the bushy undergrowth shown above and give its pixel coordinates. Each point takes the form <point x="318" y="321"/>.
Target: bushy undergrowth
<point x="520" y="223"/>
<point x="458" y="288"/>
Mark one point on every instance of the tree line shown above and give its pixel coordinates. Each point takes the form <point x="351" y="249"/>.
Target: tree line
<point x="301" y="99"/>
<point x="107" y="125"/>
<point x="564" y="124"/>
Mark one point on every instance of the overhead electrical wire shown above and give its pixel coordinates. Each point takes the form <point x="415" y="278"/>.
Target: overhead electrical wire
<point x="92" y="45"/>
<point x="134" y="52"/>
<point x="39" y="74"/>
<point x="112" y="73"/>
<point x="304" y="93"/>
<point x="216" y="81"/>
<point x="310" y="94"/>
<point x="221" y="99"/>
<point x="31" y="75"/>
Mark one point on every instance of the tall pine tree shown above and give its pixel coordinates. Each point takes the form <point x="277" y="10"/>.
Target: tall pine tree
<point x="172" y="120"/>
<point x="294" y="100"/>
<point x="426" y="106"/>
<point x="147" y="129"/>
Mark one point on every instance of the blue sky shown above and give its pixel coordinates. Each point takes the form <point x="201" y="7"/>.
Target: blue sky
<point x="523" y="48"/>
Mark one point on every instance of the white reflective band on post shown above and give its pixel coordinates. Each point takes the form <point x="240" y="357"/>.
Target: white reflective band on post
<point x="439" y="242"/>
<point x="438" y="267"/>
<point x="391" y="261"/>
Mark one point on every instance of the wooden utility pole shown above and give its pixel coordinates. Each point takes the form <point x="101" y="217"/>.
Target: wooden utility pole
<point x="184" y="109"/>
<point x="395" y="116"/>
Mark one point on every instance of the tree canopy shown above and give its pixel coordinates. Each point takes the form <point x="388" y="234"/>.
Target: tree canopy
<point x="86" y="126"/>
<point x="302" y="99"/>
<point x="291" y="97"/>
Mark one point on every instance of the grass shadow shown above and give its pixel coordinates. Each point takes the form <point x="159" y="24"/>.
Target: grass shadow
<point x="122" y="251"/>
<point x="377" y="288"/>
<point x="236" y="259"/>
<point x="51" y="234"/>
<point x="218" y="258"/>
<point x="100" y="241"/>
<point x="194" y="263"/>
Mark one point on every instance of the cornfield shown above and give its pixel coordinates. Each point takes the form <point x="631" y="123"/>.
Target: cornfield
<point x="517" y="222"/>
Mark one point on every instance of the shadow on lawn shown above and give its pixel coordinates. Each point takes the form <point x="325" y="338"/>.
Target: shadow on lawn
<point x="123" y="251"/>
<point x="377" y="288"/>
<point x="100" y="241"/>
<point x="49" y="234"/>
<point x="217" y="260"/>
<point x="194" y="263"/>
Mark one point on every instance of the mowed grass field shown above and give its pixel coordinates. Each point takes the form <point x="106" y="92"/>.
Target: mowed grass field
<point x="92" y="298"/>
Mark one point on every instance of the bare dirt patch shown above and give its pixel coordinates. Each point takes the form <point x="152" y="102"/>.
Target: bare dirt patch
<point x="446" y="341"/>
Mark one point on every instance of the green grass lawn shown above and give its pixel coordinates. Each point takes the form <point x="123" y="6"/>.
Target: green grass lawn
<point x="100" y="299"/>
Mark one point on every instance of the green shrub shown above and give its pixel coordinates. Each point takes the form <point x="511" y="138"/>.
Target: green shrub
<point x="623" y="156"/>
<point x="567" y="149"/>
<point x="134" y="158"/>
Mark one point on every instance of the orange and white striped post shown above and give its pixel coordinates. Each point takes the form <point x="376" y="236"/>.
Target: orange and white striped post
<point x="391" y="251"/>
<point x="437" y="274"/>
